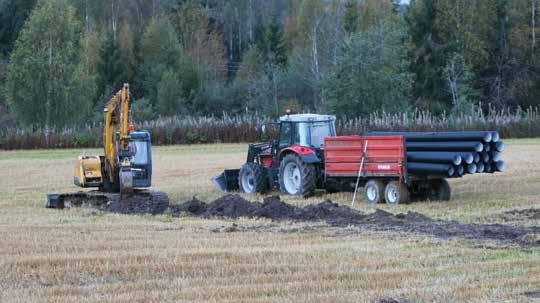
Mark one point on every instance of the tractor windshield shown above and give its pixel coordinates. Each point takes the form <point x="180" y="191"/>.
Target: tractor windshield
<point x="319" y="131"/>
<point x="313" y="133"/>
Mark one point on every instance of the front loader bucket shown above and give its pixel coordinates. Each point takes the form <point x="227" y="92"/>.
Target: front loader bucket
<point x="227" y="181"/>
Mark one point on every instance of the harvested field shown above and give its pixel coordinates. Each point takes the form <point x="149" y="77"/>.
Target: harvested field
<point x="480" y="247"/>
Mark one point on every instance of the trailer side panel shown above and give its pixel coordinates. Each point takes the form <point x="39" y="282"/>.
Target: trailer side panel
<point x="385" y="156"/>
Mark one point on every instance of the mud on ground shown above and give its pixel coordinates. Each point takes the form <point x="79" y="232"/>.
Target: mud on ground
<point x="234" y="206"/>
<point x="138" y="203"/>
<point x="333" y="214"/>
<point x="521" y="217"/>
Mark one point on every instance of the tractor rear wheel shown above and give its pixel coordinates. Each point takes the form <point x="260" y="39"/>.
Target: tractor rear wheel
<point x="396" y="193"/>
<point x="252" y="178"/>
<point x="297" y="178"/>
<point x="374" y="192"/>
<point x="440" y="190"/>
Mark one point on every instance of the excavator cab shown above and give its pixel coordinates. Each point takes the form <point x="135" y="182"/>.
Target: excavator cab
<point x="140" y="148"/>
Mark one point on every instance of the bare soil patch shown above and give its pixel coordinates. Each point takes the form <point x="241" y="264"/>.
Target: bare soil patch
<point x="519" y="215"/>
<point x="139" y="203"/>
<point x="234" y="206"/>
<point x="333" y="214"/>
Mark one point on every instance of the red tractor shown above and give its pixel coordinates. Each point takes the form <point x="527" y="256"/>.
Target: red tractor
<point x="294" y="163"/>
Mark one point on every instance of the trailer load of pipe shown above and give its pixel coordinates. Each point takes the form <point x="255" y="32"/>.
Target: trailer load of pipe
<point x="451" y="154"/>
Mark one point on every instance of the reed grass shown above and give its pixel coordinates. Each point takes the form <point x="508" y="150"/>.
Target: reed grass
<point x="243" y="128"/>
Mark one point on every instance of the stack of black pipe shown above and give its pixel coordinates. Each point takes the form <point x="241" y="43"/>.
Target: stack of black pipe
<point x="451" y="154"/>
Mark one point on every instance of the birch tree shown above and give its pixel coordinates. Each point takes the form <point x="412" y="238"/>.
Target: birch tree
<point x="458" y="78"/>
<point x="41" y="81"/>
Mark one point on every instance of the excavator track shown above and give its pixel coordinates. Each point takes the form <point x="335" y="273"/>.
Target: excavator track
<point x="137" y="202"/>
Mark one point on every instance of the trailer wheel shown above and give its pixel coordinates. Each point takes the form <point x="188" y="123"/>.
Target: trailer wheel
<point x="374" y="192"/>
<point x="440" y="190"/>
<point x="296" y="178"/>
<point x="396" y="193"/>
<point x="252" y="178"/>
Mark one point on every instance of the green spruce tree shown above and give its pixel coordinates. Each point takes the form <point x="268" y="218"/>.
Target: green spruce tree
<point x="371" y="75"/>
<point x="161" y="52"/>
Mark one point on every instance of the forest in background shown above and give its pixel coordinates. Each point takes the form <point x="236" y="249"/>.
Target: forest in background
<point x="61" y="60"/>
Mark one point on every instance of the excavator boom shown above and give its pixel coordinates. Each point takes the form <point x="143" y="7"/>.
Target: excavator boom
<point x="116" y="140"/>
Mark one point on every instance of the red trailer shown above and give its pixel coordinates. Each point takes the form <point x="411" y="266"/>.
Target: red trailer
<point x="384" y="156"/>
<point x="378" y="163"/>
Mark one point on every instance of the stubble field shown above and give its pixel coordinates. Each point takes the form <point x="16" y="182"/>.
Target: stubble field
<point x="90" y="256"/>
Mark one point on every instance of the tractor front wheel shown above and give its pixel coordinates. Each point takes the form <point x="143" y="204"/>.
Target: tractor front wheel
<point x="252" y="178"/>
<point x="296" y="178"/>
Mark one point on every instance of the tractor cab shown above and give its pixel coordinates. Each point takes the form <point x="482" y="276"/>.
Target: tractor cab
<point x="140" y="148"/>
<point x="307" y="130"/>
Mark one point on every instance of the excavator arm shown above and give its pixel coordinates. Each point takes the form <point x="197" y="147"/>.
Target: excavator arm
<point x="116" y="130"/>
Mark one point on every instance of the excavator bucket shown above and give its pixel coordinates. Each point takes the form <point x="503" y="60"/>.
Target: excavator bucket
<point x="227" y="181"/>
<point x="54" y="201"/>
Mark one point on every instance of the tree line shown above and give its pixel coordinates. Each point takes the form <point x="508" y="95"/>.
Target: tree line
<point x="61" y="60"/>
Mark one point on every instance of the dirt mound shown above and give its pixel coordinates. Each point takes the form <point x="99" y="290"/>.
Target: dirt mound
<point x="230" y="206"/>
<point x="275" y="209"/>
<point x="234" y="206"/>
<point x="329" y="211"/>
<point x="194" y="207"/>
<point x="142" y="203"/>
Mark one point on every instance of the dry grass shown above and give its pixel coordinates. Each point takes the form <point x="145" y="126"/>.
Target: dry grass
<point x="74" y="255"/>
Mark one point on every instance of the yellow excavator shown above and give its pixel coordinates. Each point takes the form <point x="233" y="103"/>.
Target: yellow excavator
<point x="124" y="169"/>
